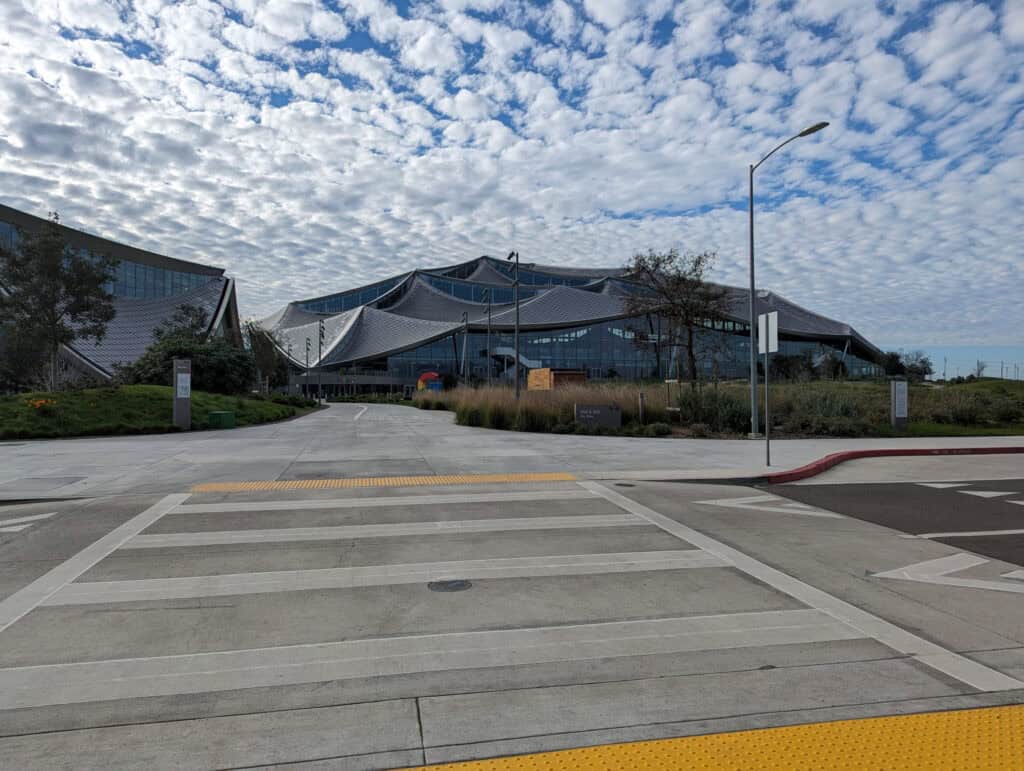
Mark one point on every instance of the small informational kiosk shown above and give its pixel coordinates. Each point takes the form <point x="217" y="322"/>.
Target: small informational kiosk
<point x="898" y="403"/>
<point x="183" y="394"/>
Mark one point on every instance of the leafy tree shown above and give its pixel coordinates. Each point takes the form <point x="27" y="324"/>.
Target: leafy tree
<point x="674" y="288"/>
<point x="266" y="351"/>
<point x="892" y="363"/>
<point x="217" y="365"/>
<point x="188" y="321"/>
<point x="831" y="366"/>
<point x="917" y="365"/>
<point x="21" y="365"/>
<point x="53" y="295"/>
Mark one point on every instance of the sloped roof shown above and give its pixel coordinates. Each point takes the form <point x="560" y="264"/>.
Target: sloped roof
<point x="291" y="315"/>
<point x="486" y="273"/>
<point x="563" y="306"/>
<point x="377" y="333"/>
<point x="130" y="332"/>
<point x="423" y="312"/>
<point x="423" y="301"/>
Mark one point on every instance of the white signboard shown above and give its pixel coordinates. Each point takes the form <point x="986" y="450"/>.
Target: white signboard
<point x="184" y="385"/>
<point x="768" y="332"/>
<point x="898" y="403"/>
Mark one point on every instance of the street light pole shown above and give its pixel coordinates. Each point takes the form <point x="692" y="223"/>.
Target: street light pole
<point x="515" y="288"/>
<point x="754" y="423"/>
<point x="319" y="366"/>
<point x="306" y="388"/>
<point x="487" y="299"/>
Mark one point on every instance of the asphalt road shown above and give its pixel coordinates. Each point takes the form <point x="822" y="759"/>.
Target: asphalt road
<point x="982" y="516"/>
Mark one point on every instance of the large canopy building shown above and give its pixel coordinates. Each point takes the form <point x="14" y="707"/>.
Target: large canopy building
<point x="147" y="288"/>
<point x="389" y="333"/>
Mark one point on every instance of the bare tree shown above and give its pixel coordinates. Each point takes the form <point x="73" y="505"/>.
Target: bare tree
<point x="674" y="288"/>
<point x="979" y="368"/>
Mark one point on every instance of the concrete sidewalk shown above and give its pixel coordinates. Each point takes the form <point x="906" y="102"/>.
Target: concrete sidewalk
<point x="352" y="440"/>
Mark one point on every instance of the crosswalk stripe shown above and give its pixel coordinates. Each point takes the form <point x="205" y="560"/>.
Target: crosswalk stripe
<point x="382" y="501"/>
<point x="34" y="686"/>
<point x="93" y="592"/>
<point x="293" y="534"/>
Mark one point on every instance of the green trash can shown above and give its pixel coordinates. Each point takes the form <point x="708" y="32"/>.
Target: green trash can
<point x="222" y="419"/>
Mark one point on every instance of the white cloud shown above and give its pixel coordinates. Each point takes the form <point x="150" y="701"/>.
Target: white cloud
<point x="578" y="133"/>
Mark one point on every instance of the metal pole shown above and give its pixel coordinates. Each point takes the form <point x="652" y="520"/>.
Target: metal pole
<point x="515" y="286"/>
<point x="319" y="365"/>
<point x="753" y="318"/>
<point x="305" y="386"/>
<point x="465" y="341"/>
<point x="489" y="362"/>
<point x="767" y="441"/>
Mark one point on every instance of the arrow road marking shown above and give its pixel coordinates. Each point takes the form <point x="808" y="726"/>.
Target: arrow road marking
<point x="942" y="485"/>
<point x="936" y="572"/>
<point x="986" y="493"/>
<point x="757" y="503"/>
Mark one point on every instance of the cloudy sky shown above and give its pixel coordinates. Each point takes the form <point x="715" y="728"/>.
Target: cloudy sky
<point x="309" y="146"/>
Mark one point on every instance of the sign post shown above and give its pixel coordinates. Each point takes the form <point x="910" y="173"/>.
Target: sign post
<point x="898" y="403"/>
<point x="767" y="342"/>
<point x="183" y="394"/>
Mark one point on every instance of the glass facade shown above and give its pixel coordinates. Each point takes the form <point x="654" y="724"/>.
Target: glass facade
<point x="603" y="350"/>
<point x="135" y="280"/>
<point x="132" y="279"/>
<point x="474" y="292"/>
<point x="344" y="301"/>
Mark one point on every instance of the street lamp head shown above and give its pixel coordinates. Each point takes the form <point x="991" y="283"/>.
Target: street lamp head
<point x="510" y="255"/>
<point x="813" y="129"/>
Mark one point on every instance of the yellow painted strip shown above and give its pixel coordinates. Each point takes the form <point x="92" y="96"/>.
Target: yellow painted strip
<point x="406" y="481"/>
<point x="965" y="740"/>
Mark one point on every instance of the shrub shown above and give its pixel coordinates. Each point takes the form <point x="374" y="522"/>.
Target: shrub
<point x="657" y="429"/>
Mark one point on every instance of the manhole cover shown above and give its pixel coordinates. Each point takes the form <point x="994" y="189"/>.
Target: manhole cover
<point x="458" y="585"/>
<point x="624" y="484"/>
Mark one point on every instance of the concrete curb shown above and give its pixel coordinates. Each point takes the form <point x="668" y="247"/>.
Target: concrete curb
<point x="834" y="459"/>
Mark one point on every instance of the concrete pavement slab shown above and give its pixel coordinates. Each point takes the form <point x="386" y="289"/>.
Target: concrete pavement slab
<point x="232" y="742"/>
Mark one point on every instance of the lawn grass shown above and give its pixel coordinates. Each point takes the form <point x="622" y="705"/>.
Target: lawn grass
<point x="136" y="409"/>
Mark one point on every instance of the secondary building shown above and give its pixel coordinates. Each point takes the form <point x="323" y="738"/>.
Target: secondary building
<point x="459" y="321"/>
<point x="147" y="289"/>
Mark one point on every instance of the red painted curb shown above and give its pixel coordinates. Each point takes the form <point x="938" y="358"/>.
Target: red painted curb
<point x="829" y="461"/>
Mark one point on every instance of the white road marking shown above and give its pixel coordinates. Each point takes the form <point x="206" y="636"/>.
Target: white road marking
<point x="756" y="503"/>
<point x="35" y="686"/>
<point x="14" y="528"/>
<point x="970" y="534"/>
<point x="359" y="414"/>
<point x="148" y="589"/>
<point x="941" y="485"/>
<point x="43" y="588"/>
<point x="1019" y="503"/>
<point x="382" y="501"/>
<point x="959" y="667"/>
<point x="1016" y="574"/>
<point x="936" y="572"/>
<point x="986" y="493"/>
<point x="21" y="520"/>
<point x="292" y="534"/>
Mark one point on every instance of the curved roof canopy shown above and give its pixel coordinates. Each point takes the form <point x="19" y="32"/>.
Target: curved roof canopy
<point x="422" y="306"/>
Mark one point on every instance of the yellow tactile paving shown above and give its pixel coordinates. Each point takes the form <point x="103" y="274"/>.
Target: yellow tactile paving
<point x="964" y="740"/>
<point x="404" y="481"/>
